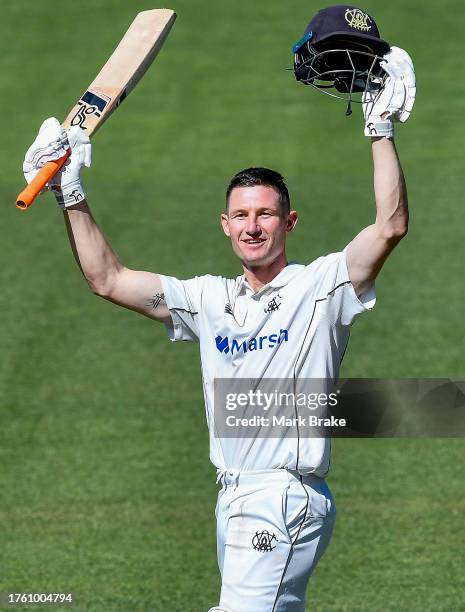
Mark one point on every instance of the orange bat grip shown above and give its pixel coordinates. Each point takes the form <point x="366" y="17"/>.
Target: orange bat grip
<point x="28" y="195"/>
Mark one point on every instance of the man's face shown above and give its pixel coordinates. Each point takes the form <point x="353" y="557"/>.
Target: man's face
<point x="256" y="225"/>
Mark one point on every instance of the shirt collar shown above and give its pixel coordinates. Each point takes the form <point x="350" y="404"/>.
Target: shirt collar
<point x="280" y="280"/>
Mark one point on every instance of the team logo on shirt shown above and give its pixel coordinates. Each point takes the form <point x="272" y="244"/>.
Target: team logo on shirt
<point x="273" y="304"/>
<point x="228" y="309"/>
<point x="263" y="541"/>
<point x="258" y="343"/>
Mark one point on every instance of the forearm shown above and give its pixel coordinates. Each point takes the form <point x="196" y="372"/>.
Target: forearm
<point x="92" y="252"/>
<point x="390" y="190"/>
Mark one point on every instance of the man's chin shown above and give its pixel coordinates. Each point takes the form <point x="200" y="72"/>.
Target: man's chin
<point x="255" y="261"/>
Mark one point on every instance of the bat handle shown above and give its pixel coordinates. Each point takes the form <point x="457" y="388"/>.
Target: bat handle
<point x="47" y="172"/>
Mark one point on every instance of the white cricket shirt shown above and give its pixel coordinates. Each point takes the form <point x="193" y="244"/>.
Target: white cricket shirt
<point x="296" y="326"/>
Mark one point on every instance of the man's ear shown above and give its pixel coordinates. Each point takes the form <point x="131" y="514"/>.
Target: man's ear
<point x="224" y="220"/>
<point x="291" y="221"/>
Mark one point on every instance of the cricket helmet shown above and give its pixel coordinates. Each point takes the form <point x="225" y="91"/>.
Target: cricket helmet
<point x="341" y="50"/>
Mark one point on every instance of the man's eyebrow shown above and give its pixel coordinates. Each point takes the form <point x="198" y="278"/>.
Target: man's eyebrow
<point x="258" y="210"/>
<point x="237" y="211"/>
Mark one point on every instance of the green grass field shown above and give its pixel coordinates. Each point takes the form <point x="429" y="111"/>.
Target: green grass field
<point x="105" y="483"/>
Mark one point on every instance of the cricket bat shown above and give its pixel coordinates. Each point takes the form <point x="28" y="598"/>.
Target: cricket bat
<point x="118" y="77"/>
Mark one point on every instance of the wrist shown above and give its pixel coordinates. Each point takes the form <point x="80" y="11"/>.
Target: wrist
<point x="70" y="194"/>
<point x="379" y="128"/>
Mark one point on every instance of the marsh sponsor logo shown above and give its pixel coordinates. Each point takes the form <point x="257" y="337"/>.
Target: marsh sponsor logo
<point x="259" y="343"/>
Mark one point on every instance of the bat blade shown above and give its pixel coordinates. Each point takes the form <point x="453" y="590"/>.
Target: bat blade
<point x="123" y="70"/>
<point x="118" y="77"/>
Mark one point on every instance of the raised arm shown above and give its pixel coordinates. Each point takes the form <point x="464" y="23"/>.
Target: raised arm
<point x="369" y="250"/>
<point x="105" y="274"/>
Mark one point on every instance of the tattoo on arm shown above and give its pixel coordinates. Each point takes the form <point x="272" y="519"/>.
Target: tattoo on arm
<point x="156" y="300"/>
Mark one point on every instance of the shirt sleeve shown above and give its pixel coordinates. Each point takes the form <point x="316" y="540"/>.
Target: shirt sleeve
<point x="183" y="300"/>
<point x="342" y="304"/>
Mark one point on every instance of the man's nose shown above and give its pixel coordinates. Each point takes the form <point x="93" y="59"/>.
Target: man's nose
<point x="252" y="226"/>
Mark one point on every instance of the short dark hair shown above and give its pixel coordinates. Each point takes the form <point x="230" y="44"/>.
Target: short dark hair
<point x="251" y="177"/>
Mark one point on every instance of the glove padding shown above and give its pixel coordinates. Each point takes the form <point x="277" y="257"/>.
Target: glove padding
<point x="51" y="143"/>
<point x="394" y="102"/>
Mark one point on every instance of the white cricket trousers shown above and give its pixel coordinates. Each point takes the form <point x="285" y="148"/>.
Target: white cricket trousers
<point x="273" y="527"/>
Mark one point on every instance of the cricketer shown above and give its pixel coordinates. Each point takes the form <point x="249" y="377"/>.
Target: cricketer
<point x="275" y="512"/>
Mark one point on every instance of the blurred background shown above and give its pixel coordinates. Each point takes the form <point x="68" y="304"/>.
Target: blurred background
<point x="105" y="483"/>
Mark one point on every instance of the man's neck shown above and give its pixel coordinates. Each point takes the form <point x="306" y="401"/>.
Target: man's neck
<point x="259" y="276"/>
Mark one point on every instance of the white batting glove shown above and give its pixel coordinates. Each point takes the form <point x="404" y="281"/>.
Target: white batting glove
<point x="394" y="102"/>
<point x="66" y="184"/>
<point x="51" y="143"/>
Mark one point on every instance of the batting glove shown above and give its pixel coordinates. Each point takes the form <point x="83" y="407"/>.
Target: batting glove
<point x="53" y="142"/>
<point x="394" y="102"/>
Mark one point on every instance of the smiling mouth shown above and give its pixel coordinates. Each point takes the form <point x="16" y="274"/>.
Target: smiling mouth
<point x="253" y="241"/>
